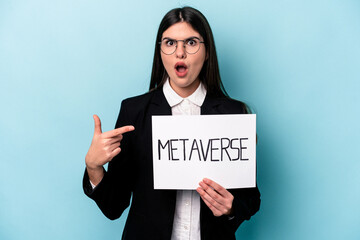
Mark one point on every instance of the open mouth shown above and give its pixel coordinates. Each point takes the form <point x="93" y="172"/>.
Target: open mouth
<point x="181" y="69"/>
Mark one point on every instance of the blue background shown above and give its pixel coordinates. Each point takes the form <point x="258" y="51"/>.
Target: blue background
<point x="296" y="63"/>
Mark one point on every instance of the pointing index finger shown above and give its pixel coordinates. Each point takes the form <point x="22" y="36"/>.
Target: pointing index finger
<point x="118" y="131"/>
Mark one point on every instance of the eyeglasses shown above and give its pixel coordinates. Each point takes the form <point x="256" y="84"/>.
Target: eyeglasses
<point x="168" y="46"/>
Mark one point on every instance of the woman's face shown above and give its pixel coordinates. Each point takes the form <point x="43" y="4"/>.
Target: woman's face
<point x="183" y="68"/>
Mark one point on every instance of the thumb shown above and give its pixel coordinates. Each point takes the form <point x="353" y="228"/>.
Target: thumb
<point x="97" y="128"/>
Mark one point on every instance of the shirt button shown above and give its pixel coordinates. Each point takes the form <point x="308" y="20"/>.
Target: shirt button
<point x="186" y="227"/>
<point x="187" y="203"/>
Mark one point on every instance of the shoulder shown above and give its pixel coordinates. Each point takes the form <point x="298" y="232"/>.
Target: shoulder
<point x="138" y="99"/>
<point x="131" y="108"/>
<point x="236" y="105"/>
<point x="138" y="107"/>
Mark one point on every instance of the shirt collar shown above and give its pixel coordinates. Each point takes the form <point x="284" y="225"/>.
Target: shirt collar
<point x="173" y="98"/>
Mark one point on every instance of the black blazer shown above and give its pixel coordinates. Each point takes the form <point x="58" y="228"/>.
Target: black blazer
<point x="131" y="173"/>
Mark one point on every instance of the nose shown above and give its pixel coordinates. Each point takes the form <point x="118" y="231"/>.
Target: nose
<point x="180" y="50"/>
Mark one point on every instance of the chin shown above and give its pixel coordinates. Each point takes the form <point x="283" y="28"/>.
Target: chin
<point x="182" y="83"/>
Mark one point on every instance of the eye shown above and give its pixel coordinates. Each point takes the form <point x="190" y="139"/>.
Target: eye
<point x="192" y="42"/>
<point x="169" y="42"/>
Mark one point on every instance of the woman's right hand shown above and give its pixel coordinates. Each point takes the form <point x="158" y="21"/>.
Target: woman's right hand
<point x="104" y="147"/>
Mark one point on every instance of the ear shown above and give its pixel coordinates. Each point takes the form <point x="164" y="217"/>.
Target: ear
<point x="207" y="56"/>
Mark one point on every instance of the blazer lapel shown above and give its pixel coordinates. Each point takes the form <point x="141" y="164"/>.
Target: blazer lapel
<point x="160" y="106"/>
<point x="210" y="106"/>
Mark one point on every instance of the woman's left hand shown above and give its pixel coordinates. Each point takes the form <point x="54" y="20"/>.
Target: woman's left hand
<point x="217" y="198"/>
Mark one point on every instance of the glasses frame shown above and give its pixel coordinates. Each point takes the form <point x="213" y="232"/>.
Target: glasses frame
<point x="184" y="40"/>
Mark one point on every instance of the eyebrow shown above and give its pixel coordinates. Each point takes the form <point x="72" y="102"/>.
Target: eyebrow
<point x="183" y="39"/>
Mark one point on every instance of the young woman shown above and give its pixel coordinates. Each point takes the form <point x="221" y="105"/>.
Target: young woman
<point x="185" y="80"/>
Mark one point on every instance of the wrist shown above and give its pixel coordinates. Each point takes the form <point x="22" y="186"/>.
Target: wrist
<point x="90" y="164"/>
<point x="95" y="174"/>
<point x="92" y="167"/>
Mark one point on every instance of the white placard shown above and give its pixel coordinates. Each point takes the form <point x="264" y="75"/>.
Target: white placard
<point x="188" y="148"/>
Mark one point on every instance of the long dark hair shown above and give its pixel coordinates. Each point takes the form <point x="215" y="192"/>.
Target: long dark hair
<point x="209" y="74"/>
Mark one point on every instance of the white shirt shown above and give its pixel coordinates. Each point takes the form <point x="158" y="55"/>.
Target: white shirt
<point x="187" y="211"/>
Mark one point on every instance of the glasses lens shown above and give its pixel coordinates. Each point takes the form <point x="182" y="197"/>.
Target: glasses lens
<point x="192" y="45"/>
<point x="168" y="46"/>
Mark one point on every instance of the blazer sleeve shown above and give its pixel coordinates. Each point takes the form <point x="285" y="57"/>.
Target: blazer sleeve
<point x="245" y="204"/>
<point x="113" y="193"/>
